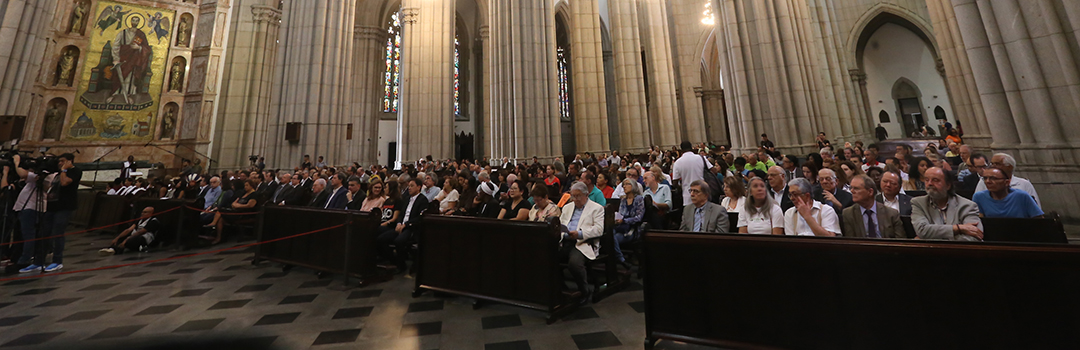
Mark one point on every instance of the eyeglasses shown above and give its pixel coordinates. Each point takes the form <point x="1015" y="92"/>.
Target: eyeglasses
<point x="695" y="191"/>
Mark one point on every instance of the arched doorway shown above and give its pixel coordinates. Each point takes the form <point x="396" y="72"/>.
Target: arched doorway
<point x="903" y="76"/>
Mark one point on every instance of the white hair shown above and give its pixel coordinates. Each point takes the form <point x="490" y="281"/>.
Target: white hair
<point x="803" y="185"/>
<point x="579" y="186"/>
<point x="634" y="185"/>
<point x="321" y="182"/>
<point x="832" y="174"/>
<point x="1007" y="159"/>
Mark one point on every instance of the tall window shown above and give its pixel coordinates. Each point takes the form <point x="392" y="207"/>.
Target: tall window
<point x="392" y="84"/>
<point x="564" y="85"/>
<point x="457" y="76"/>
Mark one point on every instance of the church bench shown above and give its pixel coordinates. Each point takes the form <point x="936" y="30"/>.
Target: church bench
<point x="108" y="210"/>
<point x="510" y="262"/>
<point x="833" y="293"/>
<point x="1045" y="230"/>
<point x="348" y="250"/>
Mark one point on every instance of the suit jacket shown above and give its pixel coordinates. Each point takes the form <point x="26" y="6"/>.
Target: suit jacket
<point x="590" y="225"/>
<point x="888" y="222"/>
<point x="418" y="207"/>
<point x="905" y="203"/>
<point x="286" y="192"/>
<point x="319" y="200"/>
<point x="926" y="218"/>
<point x="338" y="199"/>
<point x="716" y="219"/>
<point x="843" y="196"/>
<point x="357" y="201"/>
<point x="786" y="202"/>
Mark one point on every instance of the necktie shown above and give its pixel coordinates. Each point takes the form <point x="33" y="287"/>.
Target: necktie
<point x="698" y="222"/>
<point x="277" y="193"/>
<point x="871" y="229"/>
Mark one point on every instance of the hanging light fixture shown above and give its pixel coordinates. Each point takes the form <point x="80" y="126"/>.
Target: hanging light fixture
<point x="709" y="18"/>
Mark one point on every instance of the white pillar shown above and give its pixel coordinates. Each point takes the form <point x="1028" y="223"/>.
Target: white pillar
<point x="626" y="41"/>
<point x="663" y="109"/>
<point x="369" y="68"/>
<point x="590" y="94"/>
<point x="426" y="113"/>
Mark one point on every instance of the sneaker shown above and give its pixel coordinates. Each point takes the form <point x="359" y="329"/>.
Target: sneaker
<point x="54" y="267"/>
<point x="31" y="268"/>
<point x="106" y="251"/>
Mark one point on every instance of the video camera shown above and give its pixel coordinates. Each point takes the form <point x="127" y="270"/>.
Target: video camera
<point x="39" y="165"/>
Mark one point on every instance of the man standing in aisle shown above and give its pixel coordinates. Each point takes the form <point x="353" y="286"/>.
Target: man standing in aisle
<point x="62" y="202"/>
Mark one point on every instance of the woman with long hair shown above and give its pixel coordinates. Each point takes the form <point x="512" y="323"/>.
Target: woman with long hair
<point x="376" y="196"/>
<point x="761" y="215"/>
<point x="915" y="174"/>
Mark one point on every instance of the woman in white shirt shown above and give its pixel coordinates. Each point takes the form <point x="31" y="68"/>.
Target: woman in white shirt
<point x="761" y="215"/>
<point x="734" y="195"/>
<point x="448" y="198"/>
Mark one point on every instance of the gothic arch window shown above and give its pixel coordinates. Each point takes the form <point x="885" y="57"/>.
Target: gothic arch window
<point x="883" y="117"/>
<point x="392" y="82"/>
<point x="562" y="58"/>
<point x="939" y="113"/>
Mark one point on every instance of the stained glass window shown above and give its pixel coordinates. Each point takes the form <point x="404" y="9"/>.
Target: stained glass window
<point x="392" y="83"/>
<point x="564" y="85"/>
<point x="457" y="76"/>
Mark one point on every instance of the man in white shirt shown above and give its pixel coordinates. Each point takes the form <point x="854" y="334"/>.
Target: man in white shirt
<point x="778" y="188"/>
<point x="1007" y="164"/>
<point x="807" y="217"/>
<point x="689" y="168"/>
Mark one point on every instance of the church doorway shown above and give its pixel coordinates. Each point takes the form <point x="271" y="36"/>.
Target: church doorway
<point x="909" y="107"/>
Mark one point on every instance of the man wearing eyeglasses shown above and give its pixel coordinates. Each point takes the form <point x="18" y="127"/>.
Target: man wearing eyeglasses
<point x="1001" y="201"/>
<point x="703" y="215"/>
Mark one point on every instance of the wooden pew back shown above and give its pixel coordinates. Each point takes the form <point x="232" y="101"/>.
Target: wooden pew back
<point x="513" y="262"/>
<point x="1045" y="230"/>
<point x="822" y="293"/>
<point x="324" y="251"/>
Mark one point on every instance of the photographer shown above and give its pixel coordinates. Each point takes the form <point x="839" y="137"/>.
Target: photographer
<point x="62" y="202"/>
<point x="31" y="206"/>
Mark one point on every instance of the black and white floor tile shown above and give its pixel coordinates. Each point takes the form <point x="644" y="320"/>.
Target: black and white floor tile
<point x="223" y="296"/>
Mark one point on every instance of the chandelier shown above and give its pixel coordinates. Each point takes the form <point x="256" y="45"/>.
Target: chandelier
<point x="708" y="17"/>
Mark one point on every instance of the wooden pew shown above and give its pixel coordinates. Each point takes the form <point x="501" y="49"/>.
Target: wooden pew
<point x="603" y="272"/>
<point x="348" y="250"/>
<point x="82" y="215"/>
<point x="109" y="210"/>
<point x="510" y="262"/>
<point x="1045" y="230"/>
<point x="743" y="291"/>
<point x="733" y="221"/>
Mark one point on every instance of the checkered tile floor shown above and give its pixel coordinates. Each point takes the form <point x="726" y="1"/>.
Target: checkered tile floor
<point x="223" y="296"/>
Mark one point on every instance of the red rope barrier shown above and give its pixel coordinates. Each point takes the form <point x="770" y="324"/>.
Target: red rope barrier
<point x="171" y="258"/>
<point x="87" y="230"/>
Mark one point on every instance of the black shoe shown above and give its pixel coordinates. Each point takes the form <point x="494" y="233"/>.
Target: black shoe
<point x="586" y="297"/>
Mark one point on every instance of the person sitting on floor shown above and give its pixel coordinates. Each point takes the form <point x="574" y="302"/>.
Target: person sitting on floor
<point x="137" y="237"/>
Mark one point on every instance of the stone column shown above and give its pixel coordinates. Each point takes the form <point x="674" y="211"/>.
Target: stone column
<point x="426" y="115"/>
<point x="369" y="62"/>
<point x="966" y="102"/>
<point x="525" y="111"/>
<point x="485" y="137"/>
<point x="590" y="94"/>
<point x="687" y="30"/>
<point x="241" y="130"/>
<point x="626" y="40"/>
<point x="22" y="27"/>
<point x="716" y="122"/>
<point x="663" y="109"/>
<point x="314" y="85"/>
<point x="204" y="79"/>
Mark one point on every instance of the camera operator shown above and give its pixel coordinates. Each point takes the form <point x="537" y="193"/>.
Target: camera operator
<point x="31" y="205"/>
<point x="62" y="202"/>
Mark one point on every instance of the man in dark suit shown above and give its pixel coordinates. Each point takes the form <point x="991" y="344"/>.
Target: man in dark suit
<point x="778" y="188"/>
<point x="868" y="218"/>
<point x="282" y="191"/>
<point x="890" y="194"/>
<point x="319" y="194"/>
<point x="831" y="193"/>
<point x="355" y="196"/>
<point x="403" y="231"/>
<point x="338" y="197"/>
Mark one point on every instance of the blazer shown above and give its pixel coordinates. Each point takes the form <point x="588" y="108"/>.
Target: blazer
<point x="905" y="202"/>
<point x="418" y="207"/>
<point x="888" y="221"/>
<point x="590" y="225"/>
<point x="716" y="219"/>
<point x="338" y="200"/>
<point x="286" y="192"/>
<point x="843" y="196"/>
<point x="785" y="203"/>
<point x="926" y="218"/>
<point x="319" y="200"/>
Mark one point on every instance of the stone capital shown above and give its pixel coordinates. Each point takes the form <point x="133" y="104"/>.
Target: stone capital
<point x="941" y="67"/>
<point x="370" y="33"/>
<point x="857" y="76"/>
<point x="261" y="14"/>
<point x="485" y="33"/>
<point x="409" y="15"/>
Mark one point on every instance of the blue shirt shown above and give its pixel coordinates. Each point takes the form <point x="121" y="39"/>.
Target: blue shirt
<point x="1018" y="204"/>
<point x="873" y="218"/>
<point x="597" y="196"/>
<point x="699" y="218"/>
<point x="574" y="219"/>
<point x="211" y="197"/>
<point x="661" y="196"/>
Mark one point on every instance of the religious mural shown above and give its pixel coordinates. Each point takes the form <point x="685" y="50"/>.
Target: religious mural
<point x="125" y="70"/>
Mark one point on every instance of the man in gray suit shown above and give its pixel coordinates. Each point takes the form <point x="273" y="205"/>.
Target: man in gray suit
<point x="703" y="216"/>
<point x="890" y="194"/>
<point x="868" y="218"/>
<point x="941" y="214"/>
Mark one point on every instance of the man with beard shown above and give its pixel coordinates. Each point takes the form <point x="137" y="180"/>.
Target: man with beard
<point x="941" y="214"/>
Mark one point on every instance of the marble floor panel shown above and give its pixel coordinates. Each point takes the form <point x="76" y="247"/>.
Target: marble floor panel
<point x="222" y="296"/>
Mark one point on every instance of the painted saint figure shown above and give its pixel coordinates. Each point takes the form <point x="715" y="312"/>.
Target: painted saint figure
<point x="177" y="83"/>
<point x="159" y="25"/>
<point x="182" y="32"/>
<point x="131" y="54"/>
<point x="65" y="68"/>
<point x="110" y="16"/>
